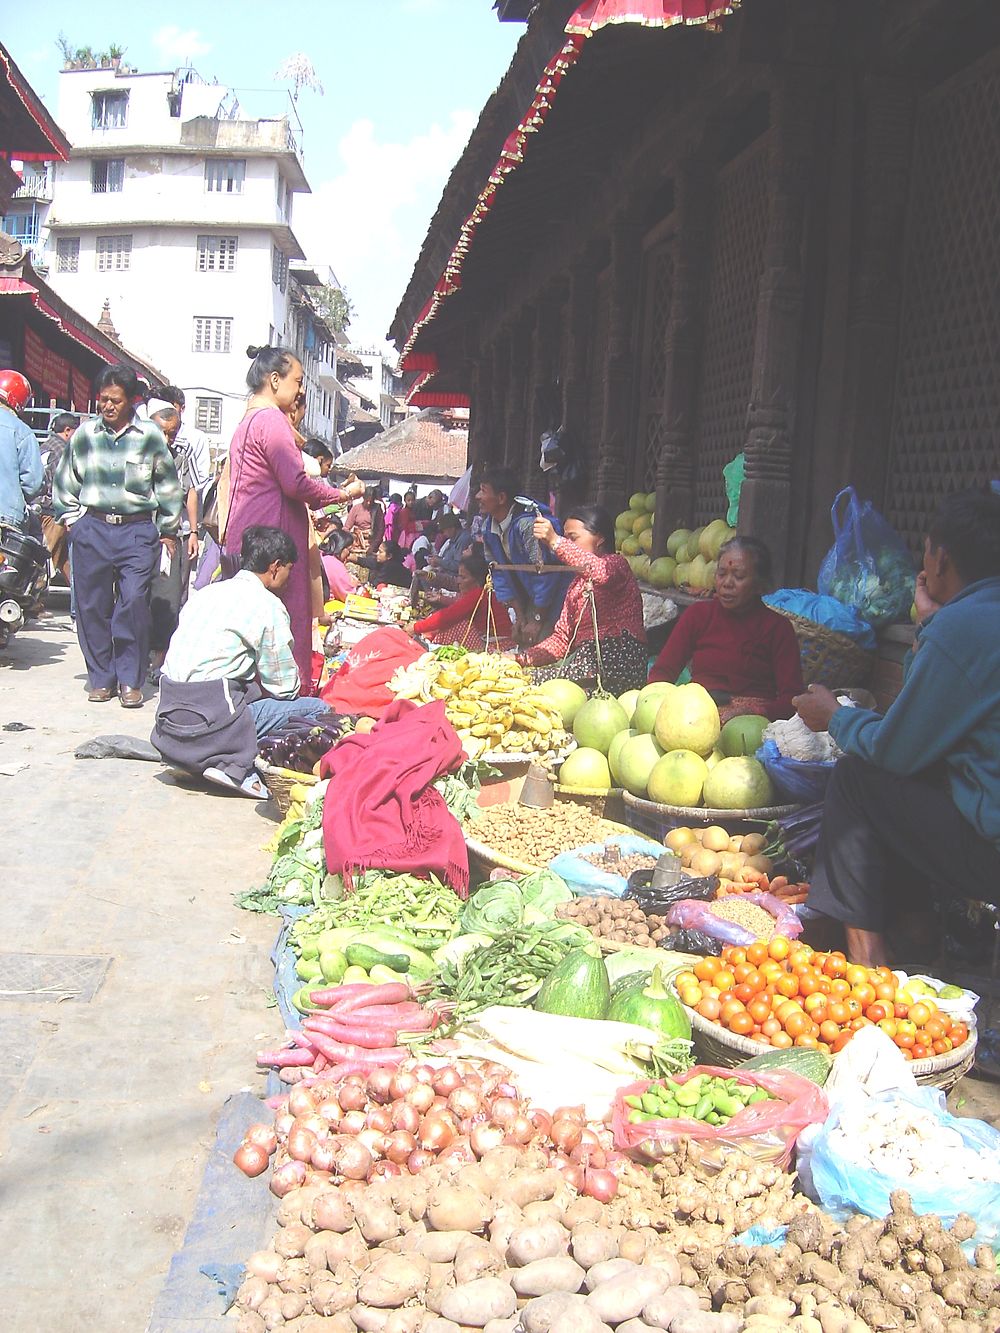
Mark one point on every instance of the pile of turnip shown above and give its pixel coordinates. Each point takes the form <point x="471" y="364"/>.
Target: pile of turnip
<point x="398" y="1122"/>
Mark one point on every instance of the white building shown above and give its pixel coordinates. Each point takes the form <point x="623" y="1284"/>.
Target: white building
<point x="377" y="383"/>
<point x="176" y="207"/>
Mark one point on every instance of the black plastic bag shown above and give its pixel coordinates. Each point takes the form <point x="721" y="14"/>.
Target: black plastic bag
<point x="690" y="941"/>
<point x="658" y="902"/>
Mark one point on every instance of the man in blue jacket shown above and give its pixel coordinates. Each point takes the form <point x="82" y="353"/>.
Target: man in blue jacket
<point x="913" y="812"/>
<point x="508" y="538"/>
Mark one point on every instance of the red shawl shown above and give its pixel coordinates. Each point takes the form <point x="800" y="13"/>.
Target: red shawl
<point x="362" y="683"/>
<point x="380" y="811"/>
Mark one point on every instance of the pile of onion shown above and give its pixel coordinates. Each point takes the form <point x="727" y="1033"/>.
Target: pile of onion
<point x="395" y="1121"/>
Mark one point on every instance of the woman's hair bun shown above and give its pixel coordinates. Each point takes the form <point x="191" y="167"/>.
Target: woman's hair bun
<point x="254" y="352"/>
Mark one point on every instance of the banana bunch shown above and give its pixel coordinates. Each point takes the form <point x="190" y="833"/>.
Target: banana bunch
<point x="492" y="705"/>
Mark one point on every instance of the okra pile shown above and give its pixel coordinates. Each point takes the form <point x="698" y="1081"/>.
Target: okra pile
<point x="703" y="1097"/>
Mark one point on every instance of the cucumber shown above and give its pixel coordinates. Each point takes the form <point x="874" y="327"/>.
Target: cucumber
<point x="382" y="975"/>
<point x="578" y="987"/>
<point x="308" y="969"/>
<point x="366" y="956"/>
<point x="813" y="1065"/>
<point x="421" y="965"/>
<point x="333" y="964"/>
<point x="354" y="974"/>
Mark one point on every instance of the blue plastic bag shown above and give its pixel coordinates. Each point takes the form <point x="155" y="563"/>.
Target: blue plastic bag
<point x="868" y="566"/>
<point x="586" y="880"/>
<point x="843" y="1187"/>
<point x="825" y="611"/>
<point x="795" y="780"/>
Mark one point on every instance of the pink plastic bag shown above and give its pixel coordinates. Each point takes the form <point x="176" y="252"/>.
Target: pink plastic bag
<point x="693" y="914"/>
<point x="766" y="1131"/>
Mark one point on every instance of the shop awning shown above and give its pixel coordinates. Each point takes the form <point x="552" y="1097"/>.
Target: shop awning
<point x="27" y="131"/>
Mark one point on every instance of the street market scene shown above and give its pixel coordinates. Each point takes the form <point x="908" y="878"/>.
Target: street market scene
<point x="505" y="747"/>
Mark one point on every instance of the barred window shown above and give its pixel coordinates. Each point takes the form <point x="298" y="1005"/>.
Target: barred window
<point x="212" y="333"/>
<point x="217" y="254"/>
<point x="279" y="268"/>
<point x="208" y="415"/>
<point x="114" y="253"/>
<point x="68" y="254"/>
<point x="224" y="175"/>
<point x="107" y="175"/>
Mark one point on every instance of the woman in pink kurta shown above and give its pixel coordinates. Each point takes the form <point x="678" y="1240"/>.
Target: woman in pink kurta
<point x="268" y="485"/>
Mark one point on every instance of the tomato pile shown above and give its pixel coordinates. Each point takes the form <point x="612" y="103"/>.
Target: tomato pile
<point x="782" y="993"/>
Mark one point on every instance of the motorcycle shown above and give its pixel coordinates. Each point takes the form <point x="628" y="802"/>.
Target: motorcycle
<point x="24" y="577"/>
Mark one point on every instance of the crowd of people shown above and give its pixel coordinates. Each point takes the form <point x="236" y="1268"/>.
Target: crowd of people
<point x="134" y="520"/>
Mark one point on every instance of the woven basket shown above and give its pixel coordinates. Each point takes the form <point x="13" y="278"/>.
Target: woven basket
<point x="597" y="801"/>
<point x="280" y="781"/>
<point x="828" y="657"/>
<point x="656" y="820"/>
<point x="491" y="859"/>
<point x="726" y="1049"/>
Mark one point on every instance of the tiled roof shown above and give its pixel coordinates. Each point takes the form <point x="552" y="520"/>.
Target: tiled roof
<point x="429" y="446"/>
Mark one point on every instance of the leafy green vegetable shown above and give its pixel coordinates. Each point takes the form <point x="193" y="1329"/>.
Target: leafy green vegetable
<point x="544" y="890"/>
<point x="495" y="908"/>
<point x="461" y="789"/>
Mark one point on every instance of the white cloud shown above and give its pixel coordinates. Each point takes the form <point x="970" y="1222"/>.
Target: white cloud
<point x="174" y="43"/>
<point x="368" y="223"/>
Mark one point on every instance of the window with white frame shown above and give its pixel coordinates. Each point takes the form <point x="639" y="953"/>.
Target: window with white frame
<point x="208" y="415"/>
<point x="212" y="333"/>
<point x="225" y="175"/>
<point x="279" y="268"/>
<point x="114" y="253"/>
<point x="217" y="254"/>
<point x="107" y="175"/>
<point x="110" y="110"/>
<point x="68" y="254"/>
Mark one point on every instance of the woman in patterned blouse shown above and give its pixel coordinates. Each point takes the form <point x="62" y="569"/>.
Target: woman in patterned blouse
<point x="588" y="547"/>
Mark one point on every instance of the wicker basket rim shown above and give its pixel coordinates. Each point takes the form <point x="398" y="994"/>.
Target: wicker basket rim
<point x="588" y="791"/>
<point x="486" y="853"/>
<point x="265" y="768"/>
<point x="802" y="624"/>
<point x="709" y="812"/>
<point x="934" y="1064"/>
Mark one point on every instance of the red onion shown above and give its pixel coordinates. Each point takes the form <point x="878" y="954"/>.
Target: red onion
<point x="354" y="1161"/>
<point x="380" y="1085"/>
<point x="506" y="1090"/>
<point x="251" y="1158"/>
<point x="520" y="1130"/>
<point x="423" y="1073"/>
<point x="473" y="1080"/>
<point x="419" y="1160"/>
<point x="380" y="1118"/>
<point x="331" y="1111"/>
<point x="570" y="1113"/>
<point x="465" y="1103"/>
<point x="283" y="1124"/>
<point x="384" y="1169"/>
<point x="324" y="1156"/>
<point x="352" y="1097"/>
<point x="574" y="1175"/>
<point x="439" y="1103"/>
<point x="263" y="1136"/>
<point x="584" y="1155"/>
<point x="484" y="1138"/>
<point x="588" y="1139"/>
<point x="353" y="1122"/>
<point x="446" y="1080"/>
<point x="375" y="1141"/>
<point x="286" y="1177"/>
<point x="435" y="1133"/>
<point x="541" y="1120"/>
<point x="405" y="1116"/>
<point x="301" y="1144"/>
<point x="319" y="1126"/>
<point x="504" y="1110"/>
<point x="401" y="1084"/>
<point x="301" y="1101"/>
<point x="459" y="1151"/>
<point x="421" y="1096"/>
<point x="566" y="1134"/>
<point x="600" y="1185"/>
<point x="399" y="1145"/>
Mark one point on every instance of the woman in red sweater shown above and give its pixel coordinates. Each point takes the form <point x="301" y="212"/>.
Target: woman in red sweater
<point x="589" y="548"/>
<point x="467" y="620"/>
<point x="742" y="652"/>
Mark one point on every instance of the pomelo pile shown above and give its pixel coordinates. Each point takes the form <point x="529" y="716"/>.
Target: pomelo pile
<point x="671" y="748"/>
<point x="691" y="552"/>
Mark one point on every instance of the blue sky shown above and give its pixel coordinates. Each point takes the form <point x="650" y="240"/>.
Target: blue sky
<point x="404" y="82"/>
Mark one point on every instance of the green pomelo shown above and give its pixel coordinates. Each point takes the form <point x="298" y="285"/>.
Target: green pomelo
<point x="743" y="735"/>
<point x="628" y="701"/>
<point x="738" y="783"/>
<point x="661" y="571"/>
<point x="637" y="502"/>
<point x="639" y="565"/>
<point x="642" y="522"/>
<point x="677" y="539"/>
<point x="568" y="697"/>
<point x="712" y="538"/>
<point x="630" y="546"/>
<point x="614" y="753"/>
<point x="625" y="519"/>
<point x="636" y="761"/>
<point x="646" y="540"/>
<point x="586" y="768"/>
<point x="651" y="503"/>
<point x="678" y="778"/>
<point x="688" y="719"/>
<point x="598" y="722"/>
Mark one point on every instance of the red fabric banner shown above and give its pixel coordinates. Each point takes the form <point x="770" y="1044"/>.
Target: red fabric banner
<point x="55" y="381"/>
<point x="81" y="391"/>
<point x="34" y="359"/>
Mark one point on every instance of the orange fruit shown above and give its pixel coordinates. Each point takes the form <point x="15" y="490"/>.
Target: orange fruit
<point x="919" y="1013"/>
<point x="856" y="974"/>
<point x="709" y="1008"/>
<point x="781" y="1041"/>
<point x="757" y="952"/>
<point x="741" y="1024"/>
<point x="778" y="947"/>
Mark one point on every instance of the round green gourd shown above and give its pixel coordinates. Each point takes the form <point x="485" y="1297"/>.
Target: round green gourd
<point x="578" y="987"/>
<point x="650" y="1005"/>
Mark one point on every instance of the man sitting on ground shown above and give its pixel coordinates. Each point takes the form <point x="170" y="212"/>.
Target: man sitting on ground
<point x="913" y="812"/>
<point x="229" y="678"/>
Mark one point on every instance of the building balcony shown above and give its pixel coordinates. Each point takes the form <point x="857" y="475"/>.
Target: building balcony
<point x="35" y="185"/>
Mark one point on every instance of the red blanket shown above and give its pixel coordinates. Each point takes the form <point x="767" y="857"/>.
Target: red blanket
<point x="361" y="684"/>
<point x="380" y="811"/>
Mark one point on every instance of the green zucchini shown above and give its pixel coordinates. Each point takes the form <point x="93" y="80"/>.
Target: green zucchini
<point x="419" y="964"/>
<point x="578" y="987"/>
<point x="650" y="1006"/>
<point x="810" y="1064"/>
<point x="367" y="956"/>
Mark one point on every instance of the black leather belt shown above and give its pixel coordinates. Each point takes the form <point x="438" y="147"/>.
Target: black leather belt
<point x="116" y="520"/>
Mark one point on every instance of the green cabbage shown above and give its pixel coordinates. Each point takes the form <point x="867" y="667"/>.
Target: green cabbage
<point x="544" y="890"/>
<point x="495" y="908"/>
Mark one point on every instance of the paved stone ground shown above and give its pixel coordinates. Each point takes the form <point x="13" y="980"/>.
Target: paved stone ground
<point x="108" y="1108"/>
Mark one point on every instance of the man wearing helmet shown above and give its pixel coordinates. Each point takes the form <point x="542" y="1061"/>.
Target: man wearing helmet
<point x="21" y="472"/>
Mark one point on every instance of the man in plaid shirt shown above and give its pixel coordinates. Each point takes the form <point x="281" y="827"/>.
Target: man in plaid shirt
<point x="230" y="677"/>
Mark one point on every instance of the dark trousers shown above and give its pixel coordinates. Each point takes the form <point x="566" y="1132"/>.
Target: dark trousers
<point x="167" y="595"/>
<point x="113" y="568"/>
<point x="890" y="845"/>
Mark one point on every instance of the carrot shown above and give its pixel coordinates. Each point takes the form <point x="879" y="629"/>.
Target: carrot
<point x="336" y="1052"/>
<point x="287" y="1057"/>
<point x="411" y="1017"/>
<point x="362" y="1034"/>
<point x="393" y="992"/>
<point x="334" y="994"/>
<point x="779" y="882"/>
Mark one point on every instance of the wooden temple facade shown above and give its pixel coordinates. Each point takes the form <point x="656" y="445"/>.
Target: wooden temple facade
<point x="781" y="237"/>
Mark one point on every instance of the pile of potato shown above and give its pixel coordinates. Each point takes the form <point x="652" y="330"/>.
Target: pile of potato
<point x="616" y="919"/>
<point x="735" y="858"/>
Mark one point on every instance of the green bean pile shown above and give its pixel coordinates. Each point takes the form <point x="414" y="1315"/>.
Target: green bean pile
<point x="508" y="971"/>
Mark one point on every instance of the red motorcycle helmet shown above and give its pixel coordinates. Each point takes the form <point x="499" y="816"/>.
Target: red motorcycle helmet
<point x="14" y="390"/>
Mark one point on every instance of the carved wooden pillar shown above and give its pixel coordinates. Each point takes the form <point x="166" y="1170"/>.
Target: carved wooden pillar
<point x="516" y="406"/>
<point x="675" y="472"/>
<point x="481" y="413"/>
<point x="766" y="497"/>
<point x="492" y="428"/>
<point x="619" y="366"/>
<point x="575" y="380"/>
<point x="543" y="405"/>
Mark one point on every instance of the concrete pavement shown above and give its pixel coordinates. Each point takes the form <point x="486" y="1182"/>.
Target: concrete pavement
<point x="113" y="875"/>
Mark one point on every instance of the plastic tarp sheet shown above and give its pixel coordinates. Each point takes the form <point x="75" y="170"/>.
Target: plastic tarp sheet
<point x="286" y="983"/>
<point x="233" y="1216"/>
